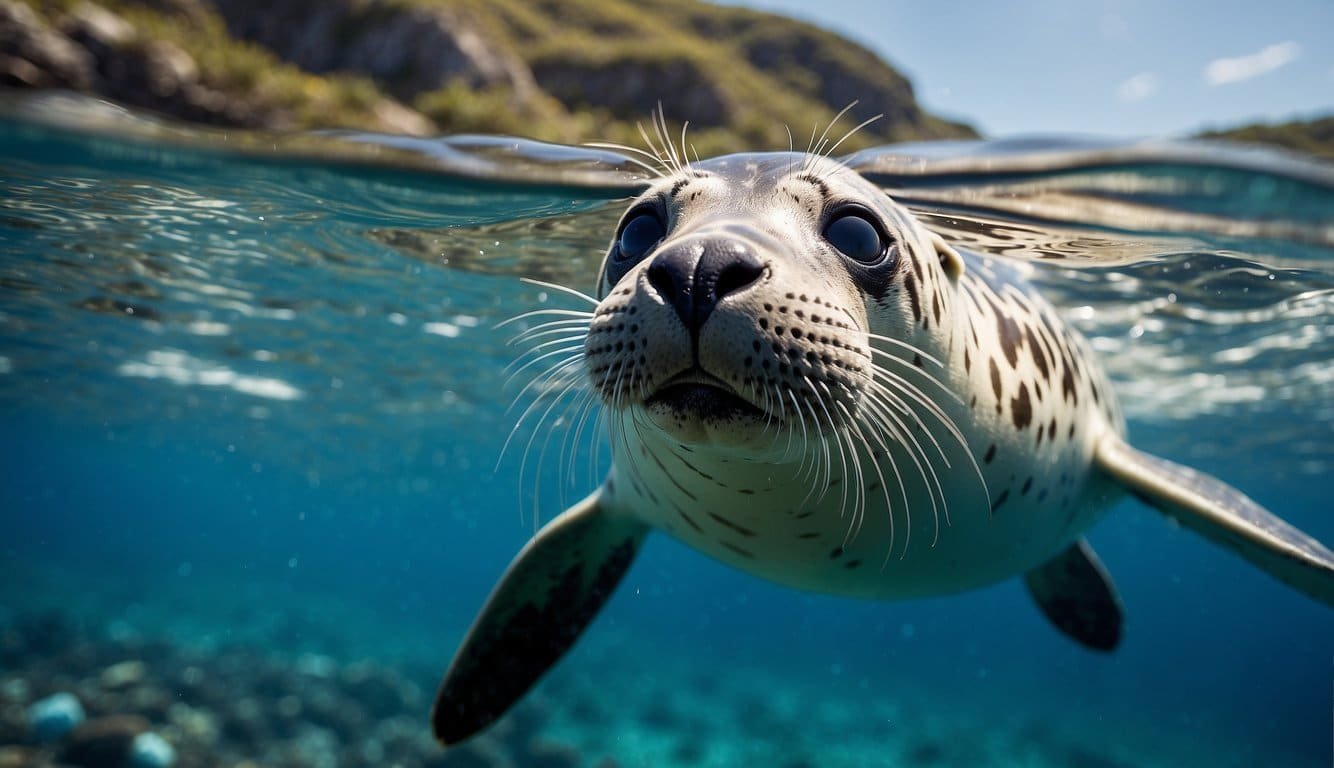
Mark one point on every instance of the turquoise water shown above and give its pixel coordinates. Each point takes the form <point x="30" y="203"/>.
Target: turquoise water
<point x="252" y="404"/>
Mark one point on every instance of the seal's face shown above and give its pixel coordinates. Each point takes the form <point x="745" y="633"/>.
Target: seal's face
<point x="734" y="299"/>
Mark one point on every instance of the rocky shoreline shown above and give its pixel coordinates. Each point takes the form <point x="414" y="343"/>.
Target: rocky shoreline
<point x="573" y="72"/>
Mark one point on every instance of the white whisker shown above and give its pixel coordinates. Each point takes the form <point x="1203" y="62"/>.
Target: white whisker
<point x="904" y="345"/>
<point x="818" y="149"/>
<point x="562" y="288"/>
<point x="550" y="329"/>
<point x="572" y="351"/>
<point x="855" y="481"/>
<point x="550" y="426"/>
<point x="631" y="158"/>
<point x="917" y="396"/>
<point x="851" y="132"/>
<point x="561" y="373"/>
<point x="801" y="418"/>
<point x="533" y="313"/>
<point x="856" y="430"/>
<point x="824" y="440"/>
<point x="926" y="470"/>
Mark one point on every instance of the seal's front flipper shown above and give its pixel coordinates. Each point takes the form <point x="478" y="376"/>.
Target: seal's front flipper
<point x="1076" y="594"/>
<point x="1223" y="515"/>
<point x="551" y="591"/>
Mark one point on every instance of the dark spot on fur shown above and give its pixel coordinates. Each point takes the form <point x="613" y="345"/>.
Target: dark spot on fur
<point x="719" y="519"/>
<point x="995" y="382"/>
<point x="818" y="183"/>
<point x="1068" y="386"/>
<point x="695" y="469"/>
<point x="1021" y="408"/>
<point x="688" y="519"/>
<point x="1028" y="484"/>
<point x="991" y="454"/>
<point x="1001" y="499"/>
<point x="738" y="550"/>
<point x="1039" y="358"/>
<point x="1007" y="331"/>
<point x="836" y="554"/>
<point x="914" y="301"/>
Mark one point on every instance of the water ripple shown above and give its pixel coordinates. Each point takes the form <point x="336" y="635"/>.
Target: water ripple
<point x="352" y="301"/>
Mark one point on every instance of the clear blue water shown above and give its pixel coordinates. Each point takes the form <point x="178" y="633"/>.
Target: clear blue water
<point x="256" y="399"/>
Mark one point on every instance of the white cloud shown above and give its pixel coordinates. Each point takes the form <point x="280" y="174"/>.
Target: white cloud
<point x="1138" y="88"/>
<point x="1268" y="59"/>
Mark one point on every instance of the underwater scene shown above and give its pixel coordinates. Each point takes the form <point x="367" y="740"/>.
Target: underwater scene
<point x="266" y="451"/>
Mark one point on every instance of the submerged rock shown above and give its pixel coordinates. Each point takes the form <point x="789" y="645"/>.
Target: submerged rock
<point x="150" y="750"/>
<point x="53" y="717"/>
<point x="126" y="674"/>
<point x="104" y="742"/>
<point x="17" y="757"/>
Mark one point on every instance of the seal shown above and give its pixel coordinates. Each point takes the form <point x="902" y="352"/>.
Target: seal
<point x="802" y="381"/>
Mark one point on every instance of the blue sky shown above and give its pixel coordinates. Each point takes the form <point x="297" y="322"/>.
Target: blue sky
<point x="1122" y="68"/>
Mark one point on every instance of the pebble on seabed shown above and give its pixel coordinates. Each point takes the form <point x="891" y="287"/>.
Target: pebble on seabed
<point x="54" y="716"/>
<point x="150" y="750"/>
<point x="151" y="704"/>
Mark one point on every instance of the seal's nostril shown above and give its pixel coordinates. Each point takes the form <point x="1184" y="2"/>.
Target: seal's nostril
<point x="674" y="274"/>
<point x="738" y="274"/>
<point x="667" y="280"/>
<point x="694" y="276"/>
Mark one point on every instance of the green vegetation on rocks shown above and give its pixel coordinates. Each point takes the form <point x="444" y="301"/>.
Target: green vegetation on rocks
<point x="1313" y="137"/>
<point x="567" y="70"/>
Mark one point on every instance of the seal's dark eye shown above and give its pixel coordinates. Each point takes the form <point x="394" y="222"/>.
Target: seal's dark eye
<point x="856" y="237"/>
<point x="640" y="233"/>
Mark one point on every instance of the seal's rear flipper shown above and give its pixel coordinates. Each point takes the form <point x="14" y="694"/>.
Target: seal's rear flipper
<point x="551" y="591"/>
<point x="1076" y="594"/>
<point x="1223" y="515"/>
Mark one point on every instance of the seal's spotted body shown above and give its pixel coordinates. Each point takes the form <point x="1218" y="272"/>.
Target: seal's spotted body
<point x="802" y="381"/>
<point x="795" y="344"/>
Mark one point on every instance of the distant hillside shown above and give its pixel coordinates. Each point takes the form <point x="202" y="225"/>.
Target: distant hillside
<point x="1314" y="137"/>
<point x="561" y="70"/>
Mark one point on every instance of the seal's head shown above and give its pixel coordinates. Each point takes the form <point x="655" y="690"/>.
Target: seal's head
<point x="739" y="297"/>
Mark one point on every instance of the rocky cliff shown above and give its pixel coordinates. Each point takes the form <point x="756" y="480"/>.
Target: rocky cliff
<point x="566" y="70"/>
